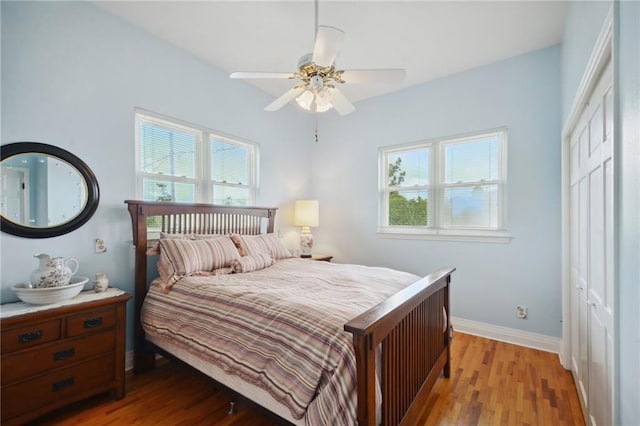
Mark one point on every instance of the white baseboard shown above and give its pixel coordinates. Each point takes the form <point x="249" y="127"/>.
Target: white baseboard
<point x="507" y="335"/>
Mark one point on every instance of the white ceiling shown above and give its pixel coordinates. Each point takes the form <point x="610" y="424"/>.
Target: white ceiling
<point x="430" y="39"/>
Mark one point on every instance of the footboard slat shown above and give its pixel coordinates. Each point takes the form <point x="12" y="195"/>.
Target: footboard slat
<point x="414" y="340"/>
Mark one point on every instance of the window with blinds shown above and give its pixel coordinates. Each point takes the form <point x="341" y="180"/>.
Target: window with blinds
<point x="182" y="162"/>
<point x="449" y="187"/>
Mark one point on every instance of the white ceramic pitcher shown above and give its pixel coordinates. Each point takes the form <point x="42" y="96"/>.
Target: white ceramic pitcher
<point x="53" y="272"/>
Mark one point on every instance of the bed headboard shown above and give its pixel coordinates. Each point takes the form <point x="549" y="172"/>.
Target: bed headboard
<point x="187" y="218"/>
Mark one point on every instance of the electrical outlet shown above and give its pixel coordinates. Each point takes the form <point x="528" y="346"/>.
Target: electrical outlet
<point x="521" y="312"/>
<point x="101" y="245"/>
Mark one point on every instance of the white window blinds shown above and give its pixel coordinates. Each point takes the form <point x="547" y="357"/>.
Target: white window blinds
<point x="175" y="165"/>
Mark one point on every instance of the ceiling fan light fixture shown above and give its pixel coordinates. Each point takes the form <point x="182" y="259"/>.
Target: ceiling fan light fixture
<point x="315" y="101"/>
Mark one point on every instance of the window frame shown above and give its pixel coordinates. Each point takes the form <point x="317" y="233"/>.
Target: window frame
<point x="385" y="190"/>
<point x="435" y="229"/>
<point x="202" y="180"/>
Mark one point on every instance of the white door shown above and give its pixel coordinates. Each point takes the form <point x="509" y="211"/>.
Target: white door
<point x="591" y="253"/>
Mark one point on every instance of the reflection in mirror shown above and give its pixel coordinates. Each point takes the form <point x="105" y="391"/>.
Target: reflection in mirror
<point x="40" y="190"/>
<point x="46" y="191"/>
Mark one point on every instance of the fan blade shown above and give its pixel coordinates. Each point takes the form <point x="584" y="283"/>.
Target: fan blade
<point x="284" y="99"/>
<point x="250" y="75"/>
<point x="382" y="76"/>
<point x="328" y="43"/>
<point x="340" y="102"/>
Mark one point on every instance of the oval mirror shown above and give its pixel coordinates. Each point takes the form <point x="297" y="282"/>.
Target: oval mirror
<point x="46" y="191"/>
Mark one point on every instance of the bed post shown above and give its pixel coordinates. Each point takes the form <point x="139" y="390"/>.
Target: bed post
<point x="366" y="376"/>
<point x="446" y="370"/>
<point x="143" y="360"/>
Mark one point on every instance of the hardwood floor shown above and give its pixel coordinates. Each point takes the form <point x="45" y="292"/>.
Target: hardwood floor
<point x="491" y="383"/>
<point x="495" y="383"/>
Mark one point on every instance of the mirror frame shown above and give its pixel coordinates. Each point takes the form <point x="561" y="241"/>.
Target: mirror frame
<point x="93" y="191"/>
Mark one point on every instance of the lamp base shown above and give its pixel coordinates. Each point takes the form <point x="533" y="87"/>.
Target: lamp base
<point x="306" y="242"/>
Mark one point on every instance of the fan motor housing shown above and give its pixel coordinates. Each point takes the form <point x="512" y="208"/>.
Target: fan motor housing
<point x="307" y="70"/>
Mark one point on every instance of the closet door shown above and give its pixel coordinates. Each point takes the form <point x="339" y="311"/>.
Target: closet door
<point x="592" y="257"/>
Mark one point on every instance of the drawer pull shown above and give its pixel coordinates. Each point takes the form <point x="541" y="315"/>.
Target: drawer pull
<point x="64" y="354"/>
<point x="30" y="337"/>
<point x="62" y="384"/>
<point x="93" y="322"/>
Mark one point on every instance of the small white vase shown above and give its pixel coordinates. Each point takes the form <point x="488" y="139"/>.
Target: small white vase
<point x="101" y="283"/>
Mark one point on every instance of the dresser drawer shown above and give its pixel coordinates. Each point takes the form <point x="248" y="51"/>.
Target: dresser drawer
<point x="90" y="322"/>
<point x="59" y="386"/>
<point x="18" y="338"/>
<point x="42" y="359"/>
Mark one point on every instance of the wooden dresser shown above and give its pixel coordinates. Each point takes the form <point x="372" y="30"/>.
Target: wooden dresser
<point x="52" y="357"/>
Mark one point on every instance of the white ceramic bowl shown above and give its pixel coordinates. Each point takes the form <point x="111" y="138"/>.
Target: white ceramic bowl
<point x="48" y="295"/>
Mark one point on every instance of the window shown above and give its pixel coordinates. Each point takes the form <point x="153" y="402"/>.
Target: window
<point x="188" y="163"/>
<point x="449" y="187"/>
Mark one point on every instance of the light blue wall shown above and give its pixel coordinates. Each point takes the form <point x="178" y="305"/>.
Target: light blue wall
<point x="582" y="26"/>
<point x="522" y="93"/>
<point x="627" y="54"/>
<point x="72" y="75"/>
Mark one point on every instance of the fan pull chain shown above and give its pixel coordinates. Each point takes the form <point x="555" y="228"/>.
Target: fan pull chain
<point x="315" y="132"/>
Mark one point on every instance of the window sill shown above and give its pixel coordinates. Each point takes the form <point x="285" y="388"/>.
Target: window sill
<point x="499" y="237"/>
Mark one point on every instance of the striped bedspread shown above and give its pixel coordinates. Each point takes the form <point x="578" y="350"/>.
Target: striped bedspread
<point x="279" y="328"/>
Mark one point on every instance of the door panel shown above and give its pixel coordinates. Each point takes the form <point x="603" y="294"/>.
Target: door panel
<point x="609" y="232"/>
<point x="596" y="236"/>
<point x="583" y="332"/>
<point x="600" y="391"/>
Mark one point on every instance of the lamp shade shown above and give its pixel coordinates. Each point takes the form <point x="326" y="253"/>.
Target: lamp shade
<point x="306" y="213"/>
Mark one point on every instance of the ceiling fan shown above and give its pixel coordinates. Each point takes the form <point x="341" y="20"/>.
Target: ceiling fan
<point x="318" y="76"/>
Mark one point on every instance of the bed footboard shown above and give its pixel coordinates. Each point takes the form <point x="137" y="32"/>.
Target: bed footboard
<point x="412" y="329"/>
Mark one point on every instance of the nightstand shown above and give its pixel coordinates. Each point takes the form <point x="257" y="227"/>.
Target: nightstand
<point x="320" y="257"/>
<point x="53" y="355"/>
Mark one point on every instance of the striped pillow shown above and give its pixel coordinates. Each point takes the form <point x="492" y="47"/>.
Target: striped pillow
<point x="252" y="263"/>
<point x="154" y="248"/>
<point x="180" y="257"/>
<point x="251" y="245"/>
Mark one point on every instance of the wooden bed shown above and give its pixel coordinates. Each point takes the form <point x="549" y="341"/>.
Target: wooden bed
<point x="408" y="327"/>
